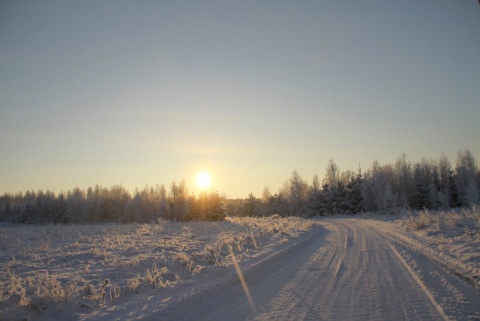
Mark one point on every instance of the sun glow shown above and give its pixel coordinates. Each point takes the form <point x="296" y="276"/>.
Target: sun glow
<point x="204" y="180"/>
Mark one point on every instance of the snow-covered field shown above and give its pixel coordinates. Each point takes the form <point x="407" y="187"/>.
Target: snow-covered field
<point x="415" y="266"/>
<point x="77" y="271"/>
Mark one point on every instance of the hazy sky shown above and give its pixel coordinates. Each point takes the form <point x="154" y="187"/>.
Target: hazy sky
<point x="147" y="92"/>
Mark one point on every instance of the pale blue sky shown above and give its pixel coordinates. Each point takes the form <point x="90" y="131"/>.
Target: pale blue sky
<point x="147" y="92"/>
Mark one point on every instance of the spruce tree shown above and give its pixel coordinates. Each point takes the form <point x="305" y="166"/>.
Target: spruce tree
<point x="453" y="199"/>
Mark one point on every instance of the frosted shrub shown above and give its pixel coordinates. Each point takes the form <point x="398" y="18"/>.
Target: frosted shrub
<point x="453" y="223"/>
<point x="14" y="291"/>
<point x="466" y="218"/>
<point x="423" y="220"/>
<point x="109" y="291"/>
<point x="182" y="258"/>
<point x="105" y="291"/>
<point x="47" y="286"/>
<point x="453" y="220"/>
<point x="210" y="255"/>
<point x="133" y="285"/>
<point x="156" y="277"/>
<point x="89" y="290"/>
<point x="187" y="263"/>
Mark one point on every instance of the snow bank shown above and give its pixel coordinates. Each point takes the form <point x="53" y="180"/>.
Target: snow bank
<point x="450" y="238"/>
<point x="73" y="271"/>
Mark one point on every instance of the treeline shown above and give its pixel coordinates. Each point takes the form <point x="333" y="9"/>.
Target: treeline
<point x="428" y="184"/>
<point x="113" y="204"/>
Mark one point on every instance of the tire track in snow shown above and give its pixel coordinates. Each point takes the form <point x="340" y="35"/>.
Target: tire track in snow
<point x="452" y="293"/>
<point x="421" y="284"/>
<point x="345" y="271"/>
<point x="228" y="299"/>
<point x="373" y="285"/>
<point x="340" y="254"/>
<point x="464" y="270"/>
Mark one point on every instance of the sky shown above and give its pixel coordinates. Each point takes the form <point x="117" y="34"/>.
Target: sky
<point x="149" y="92"/>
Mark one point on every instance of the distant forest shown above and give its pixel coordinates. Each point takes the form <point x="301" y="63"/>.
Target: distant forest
<point x="390" y="188"/>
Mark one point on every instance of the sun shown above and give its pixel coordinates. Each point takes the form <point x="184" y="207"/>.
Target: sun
<point x="204" y="180"/>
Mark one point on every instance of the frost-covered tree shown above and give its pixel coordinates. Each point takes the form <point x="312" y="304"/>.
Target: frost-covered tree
<point x="178" y="201"/>
<point x="328" y="199"/>
<point x="314" y="197"/>
<point x="403" y="183"/>
<point x="465" y="172"/>
<point x="216" y="210"/>
<point x="251" y="206"/>
<point x="266" y="194"/>
<point x="473" y="193"/>
<point x="266" y="207"/>
<point x="332" y="174"/>
<point x="162" y="210"/>
<point x="143" y="207"/>
<point x="342" y="200"/>
<point x="434" y="189"/>
<point x="453" y="197"/>
<point x="76" y="205"/>
<point x="444" y="170"/>
<point x="428" y="186"/>
<point x="355" y="187"/>
<point x="380" y="183"/>
<point x="207" y="207"/>
<point x="297" y="194"/>
<point x="280" y="205"/>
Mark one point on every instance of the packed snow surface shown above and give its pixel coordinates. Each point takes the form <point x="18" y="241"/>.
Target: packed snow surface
<point x="340" y="268"/>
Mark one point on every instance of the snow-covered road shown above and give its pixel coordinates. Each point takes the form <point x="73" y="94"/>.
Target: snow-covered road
<point x="347" y="269"/>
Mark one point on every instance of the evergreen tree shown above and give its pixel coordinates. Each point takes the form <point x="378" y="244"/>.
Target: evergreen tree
<point x="453" y="198"/>
<point x="251" y="206"/>
<point x="324" y="199"/>
<point x="342" y="201"/>
<point x="314" y="198"/>
<point x="403" y="183"/>
<point x="357" y="198"/>
<point x="422" y="199"/>
<point x="328" y="199"/>
<point x="473" y="193"/>
<point x="280" y="204"/>
<point x="215" y="210"/>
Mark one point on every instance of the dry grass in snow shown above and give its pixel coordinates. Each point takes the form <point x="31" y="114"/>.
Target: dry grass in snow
<point x="87" y="266"/>
<point x="455" y="233"/>
<point x="465" y="221"/>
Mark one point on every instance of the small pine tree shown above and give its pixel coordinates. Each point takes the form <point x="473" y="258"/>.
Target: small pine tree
<point x="251" y="206"/>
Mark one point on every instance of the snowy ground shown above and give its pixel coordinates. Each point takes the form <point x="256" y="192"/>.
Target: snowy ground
<point x="422" y="266"/>
<point x="83" y="271"/>
<point x="450" y="238"/>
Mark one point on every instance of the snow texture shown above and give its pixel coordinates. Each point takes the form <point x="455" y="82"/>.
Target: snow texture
<point x="83" y="271"/>
<point x="340" y="268"/>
